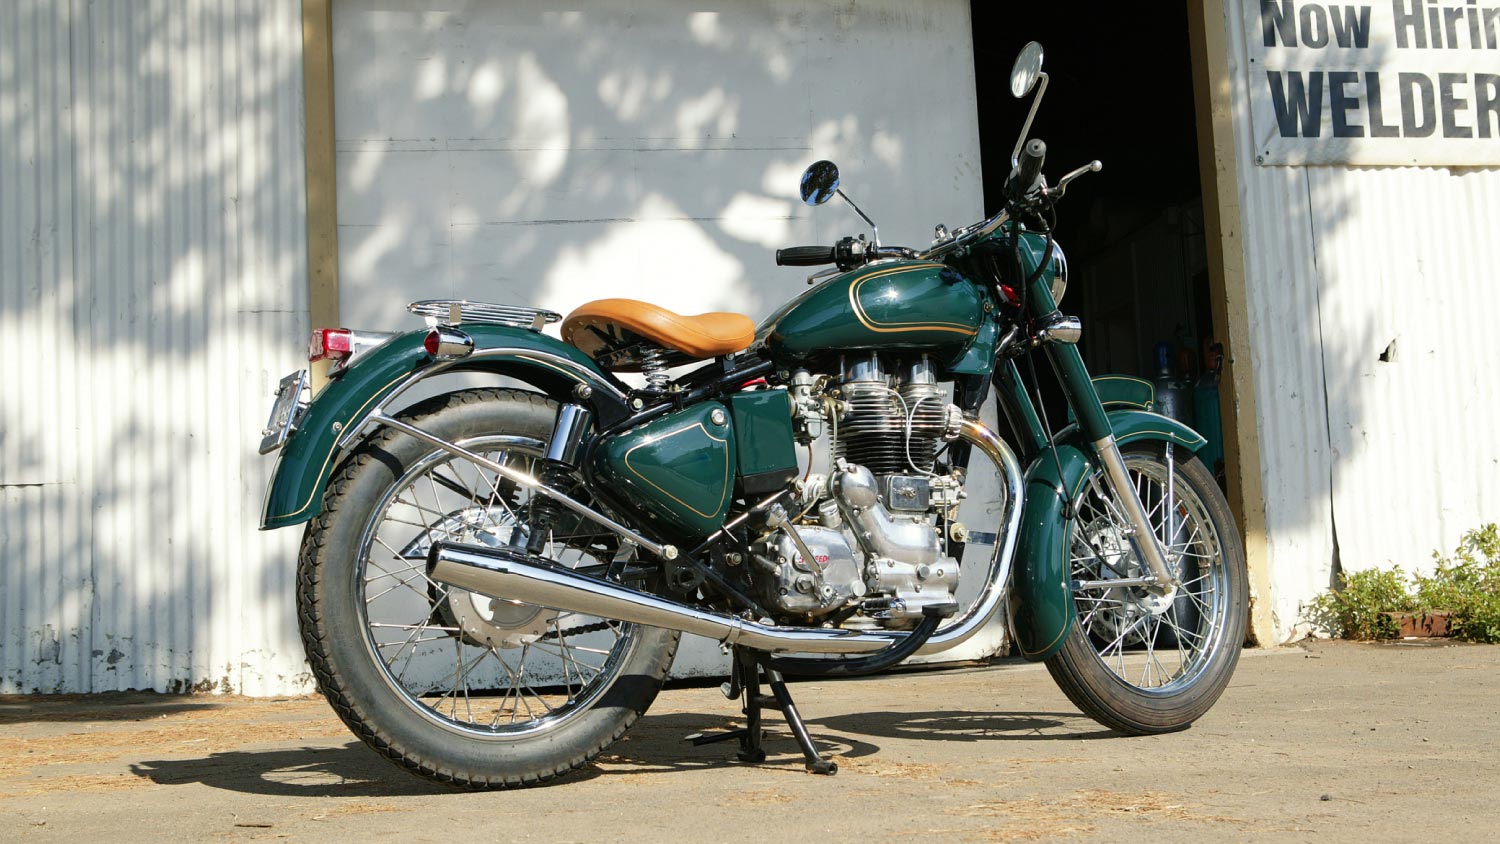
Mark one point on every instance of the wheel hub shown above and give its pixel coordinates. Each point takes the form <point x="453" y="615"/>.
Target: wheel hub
<point x="1112" y="546"/>
<point x="497" y="623"/>
<point x="483" y="620"/>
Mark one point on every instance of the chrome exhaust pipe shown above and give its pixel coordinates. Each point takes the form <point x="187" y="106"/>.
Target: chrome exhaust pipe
<point x="512" y="577"/>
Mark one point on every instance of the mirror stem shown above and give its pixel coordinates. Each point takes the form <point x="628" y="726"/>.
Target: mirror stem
<point x="874" y="228"/>
<point x="1015" y="156"/>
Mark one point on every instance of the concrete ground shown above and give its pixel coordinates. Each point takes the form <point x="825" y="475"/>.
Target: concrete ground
<point x="1325" y="742"/>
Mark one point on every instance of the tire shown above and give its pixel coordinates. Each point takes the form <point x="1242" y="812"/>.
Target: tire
<point x="1140" y="664"/>
<point x="382" y="638"/>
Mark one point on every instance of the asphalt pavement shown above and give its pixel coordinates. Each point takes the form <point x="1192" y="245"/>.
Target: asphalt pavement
<point x="1327" y="741"/>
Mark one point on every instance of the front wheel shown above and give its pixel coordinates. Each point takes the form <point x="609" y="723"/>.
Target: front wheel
<point x="1137" y="661"/>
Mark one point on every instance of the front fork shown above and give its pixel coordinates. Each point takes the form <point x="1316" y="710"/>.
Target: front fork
<point x="1094" y="423"/>
<point x="1078" y="387"/>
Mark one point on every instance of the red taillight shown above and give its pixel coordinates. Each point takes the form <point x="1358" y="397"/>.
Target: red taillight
<point x="432" y="341"/>
<point x="330" y="344"/>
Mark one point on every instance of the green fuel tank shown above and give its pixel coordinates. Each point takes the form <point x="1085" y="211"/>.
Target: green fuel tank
<point x="918" y="306"/>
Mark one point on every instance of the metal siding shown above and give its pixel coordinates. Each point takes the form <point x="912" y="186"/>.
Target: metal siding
<point x="152" y="249"/>
<point x="1387" y="460"/>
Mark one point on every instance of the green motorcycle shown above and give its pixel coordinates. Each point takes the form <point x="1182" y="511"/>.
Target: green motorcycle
<point x="493" y="582"/>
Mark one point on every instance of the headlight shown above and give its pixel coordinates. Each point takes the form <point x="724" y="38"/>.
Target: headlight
<point x="1059" y="273"/>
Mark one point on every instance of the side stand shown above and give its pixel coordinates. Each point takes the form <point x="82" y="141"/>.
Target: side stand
<point x="744" y="682"/>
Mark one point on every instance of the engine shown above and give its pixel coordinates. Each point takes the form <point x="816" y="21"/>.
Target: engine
<point x="869" y="538"/>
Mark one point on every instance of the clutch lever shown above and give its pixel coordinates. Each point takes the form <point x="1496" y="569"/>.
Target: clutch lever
<point x="1062" y="185"/>
<point x="821" y="274"/>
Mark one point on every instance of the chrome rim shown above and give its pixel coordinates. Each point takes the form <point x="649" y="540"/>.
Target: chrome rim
<point x="1155" y="643"/>
<point x="493" y="669"/>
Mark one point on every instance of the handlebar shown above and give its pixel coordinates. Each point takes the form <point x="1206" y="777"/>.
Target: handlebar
<point x="1028" y="173"/>
<point x="806" y="256"/>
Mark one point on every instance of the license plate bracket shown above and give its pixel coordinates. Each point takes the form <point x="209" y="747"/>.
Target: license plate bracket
<point x="286" y="412"/>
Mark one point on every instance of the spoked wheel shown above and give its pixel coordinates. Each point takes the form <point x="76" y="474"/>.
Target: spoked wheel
<point x="1137" y="660"/>
<point x="454" y="685"/>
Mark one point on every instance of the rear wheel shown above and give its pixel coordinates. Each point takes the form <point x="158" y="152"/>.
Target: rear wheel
<point x="453" y="685"/>
<point x="1135" y="660"/>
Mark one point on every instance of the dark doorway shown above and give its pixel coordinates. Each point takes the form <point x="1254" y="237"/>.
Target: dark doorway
<point x="1122" y="92"/>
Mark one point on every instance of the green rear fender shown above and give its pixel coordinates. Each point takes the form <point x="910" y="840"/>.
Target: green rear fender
<point x="1044" y="604"/>
<point x="307" y="459"/>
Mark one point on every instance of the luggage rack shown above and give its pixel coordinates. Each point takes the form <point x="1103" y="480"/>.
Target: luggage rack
<point x="453" y="311"/>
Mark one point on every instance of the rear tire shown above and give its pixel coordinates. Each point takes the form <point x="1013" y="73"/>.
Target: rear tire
<point x="382" y="637"/>
<point x="1140" y="664"/>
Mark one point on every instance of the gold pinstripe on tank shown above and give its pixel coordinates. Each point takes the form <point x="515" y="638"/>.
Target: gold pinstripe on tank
<point x="900" y="327"/>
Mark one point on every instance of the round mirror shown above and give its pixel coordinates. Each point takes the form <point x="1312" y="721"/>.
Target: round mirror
<point x="1027" y="69"/>
<point x="819" y="182"/>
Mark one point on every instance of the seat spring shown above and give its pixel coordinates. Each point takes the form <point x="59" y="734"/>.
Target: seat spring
<point x="654" y="367"/>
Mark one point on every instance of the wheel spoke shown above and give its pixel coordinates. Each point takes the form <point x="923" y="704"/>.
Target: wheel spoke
<point x="1128" y="626"/>
<point x="490" y="680"/>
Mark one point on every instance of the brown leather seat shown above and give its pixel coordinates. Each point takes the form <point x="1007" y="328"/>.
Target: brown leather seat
<point x="596" y="328"/>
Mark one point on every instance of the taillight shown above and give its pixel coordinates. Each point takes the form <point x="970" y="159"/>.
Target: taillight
<point x="445" y="341"/>
<point x="330" y="344"/>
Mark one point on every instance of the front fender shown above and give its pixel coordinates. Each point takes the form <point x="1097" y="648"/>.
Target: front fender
<point x="1044" y="602"/>
<point x="341" y="408"/>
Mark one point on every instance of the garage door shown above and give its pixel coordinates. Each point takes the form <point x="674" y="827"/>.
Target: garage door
<point x="514" y="152"/>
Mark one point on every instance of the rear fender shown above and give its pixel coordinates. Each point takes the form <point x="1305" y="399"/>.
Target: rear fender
<point x="334" y="420"/>
<point x="1044" y="602"/>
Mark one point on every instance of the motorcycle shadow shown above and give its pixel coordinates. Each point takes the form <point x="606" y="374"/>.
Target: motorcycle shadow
<point x="350" y="770"/>
<point x="968" y="726"/>
<point x="662" y="744"/>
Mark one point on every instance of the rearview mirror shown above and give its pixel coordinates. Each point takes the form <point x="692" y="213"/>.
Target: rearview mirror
<point x="1026" y="71"/>
<point x="820" y="182"/>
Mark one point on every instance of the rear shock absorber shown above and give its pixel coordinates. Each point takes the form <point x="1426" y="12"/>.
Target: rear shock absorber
<point x="572" y="425"/>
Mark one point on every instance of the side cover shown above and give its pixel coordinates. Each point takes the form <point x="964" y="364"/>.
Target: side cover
<point x="1045" y="611"/>
<point x="295" y="494"/>
<point x="677" y="471"/>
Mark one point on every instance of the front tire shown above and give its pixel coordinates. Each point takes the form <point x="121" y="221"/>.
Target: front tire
<point x="1141" y="663"/>
<point x="451" y="685"/>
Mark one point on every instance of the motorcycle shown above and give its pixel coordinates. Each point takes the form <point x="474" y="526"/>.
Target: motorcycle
<point x="492" y="582"/>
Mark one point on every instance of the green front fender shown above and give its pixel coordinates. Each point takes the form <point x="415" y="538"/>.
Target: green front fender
<point x="307" y="459"/>
<point x="1044" y="602"/>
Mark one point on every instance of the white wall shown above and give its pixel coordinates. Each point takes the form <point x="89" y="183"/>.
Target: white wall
<point x="1377" y="464"/>
<point x="152" y="290"/>
<point x="517" y="152"/>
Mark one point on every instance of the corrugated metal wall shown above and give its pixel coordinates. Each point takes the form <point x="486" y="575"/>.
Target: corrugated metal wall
<point x="1371" y="462"/>
<point x="152" y="254"/>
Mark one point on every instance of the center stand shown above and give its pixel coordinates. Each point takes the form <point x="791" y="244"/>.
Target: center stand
<point x="744" y="683"/>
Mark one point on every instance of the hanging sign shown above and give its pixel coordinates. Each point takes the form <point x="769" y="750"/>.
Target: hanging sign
<point x="1406" y="82"/>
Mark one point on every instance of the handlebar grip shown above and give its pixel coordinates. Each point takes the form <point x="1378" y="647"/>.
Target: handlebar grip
<point x="1029" y="168"/>
<point x="805" y="256"/>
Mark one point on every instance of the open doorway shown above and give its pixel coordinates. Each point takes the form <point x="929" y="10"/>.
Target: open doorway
<point x="1121" y="92"/>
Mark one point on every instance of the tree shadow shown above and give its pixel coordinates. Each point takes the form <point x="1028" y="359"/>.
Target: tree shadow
<point x="108" y="706"/>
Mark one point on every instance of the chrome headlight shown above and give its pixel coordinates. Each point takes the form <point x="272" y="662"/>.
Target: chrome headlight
<point x="1059" y="273"/>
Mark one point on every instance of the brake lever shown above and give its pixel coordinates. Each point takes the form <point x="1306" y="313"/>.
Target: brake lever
<point x="1062" y="184"/>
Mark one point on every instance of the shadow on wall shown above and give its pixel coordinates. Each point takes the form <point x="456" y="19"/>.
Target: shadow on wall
<point x="153" y="265"/>
<point x="551" y="157"/>
<point x="152" y="240"/>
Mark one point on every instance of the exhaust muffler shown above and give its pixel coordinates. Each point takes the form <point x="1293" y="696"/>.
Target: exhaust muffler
<point x="509" y="576"/>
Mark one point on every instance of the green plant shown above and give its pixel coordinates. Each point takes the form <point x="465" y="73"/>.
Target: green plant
<point x="1357" y="609"/>
<point x="1465" y="585"/>
<point x="1468" y="586"/>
